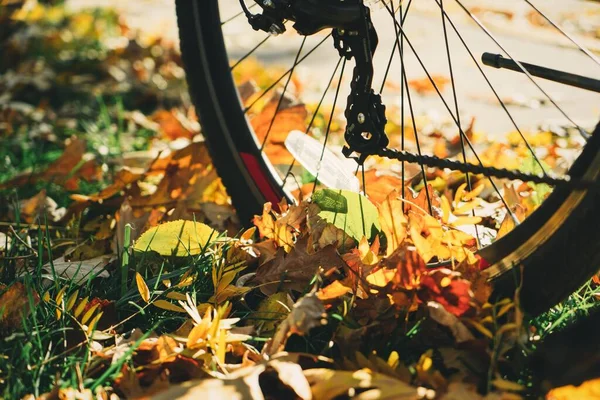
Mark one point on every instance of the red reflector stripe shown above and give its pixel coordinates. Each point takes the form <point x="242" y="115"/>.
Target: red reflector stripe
<point x="261" y="179"/>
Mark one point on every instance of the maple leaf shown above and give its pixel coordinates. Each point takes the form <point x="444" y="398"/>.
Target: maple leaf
<point x="282" y="228"/>
<point x="295" y="270"/>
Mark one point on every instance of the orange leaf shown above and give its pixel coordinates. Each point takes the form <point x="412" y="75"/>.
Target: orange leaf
<point x="393" y="222"/>
<point x="333" y="291"/>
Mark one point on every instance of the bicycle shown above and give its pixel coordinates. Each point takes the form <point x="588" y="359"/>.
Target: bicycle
<point x="557" y="245"/>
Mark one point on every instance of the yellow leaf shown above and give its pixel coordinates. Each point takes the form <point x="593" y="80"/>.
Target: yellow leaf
<point x="466" y="207"/>
<point x="222" y="346"/>
<point x="475" y="192"/>
<point x="507" y="225"/>
<point x="88" y="314"/>
<point x="179" y="238"/>
<point x="199" y="332"/>
<point x="80" y="307"/>
<point x="142" y="287"/>
<point x="460" y="192"/>
<point x="94" y="322"/>
<point x="392" y="220"/>
<point x="423" y="246"/>
<point x="228" y="292"/>
<point x="225" y="280"/>
<point x="71" y="301"/>
<point x="460" y="221"/>
<point x="446" y="209"/>
<point x="59" y="295"/>
<point x="46" y="297"/>
<point x="165" y="305"/>
<point x="176" y="296"/>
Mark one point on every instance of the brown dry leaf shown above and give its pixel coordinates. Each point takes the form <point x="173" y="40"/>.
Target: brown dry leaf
<point x="180" y="173"/>
<point x="170" y="126"/>
<point x="295" y="270"/>
<point x="334" y="236"/>
<point x="423" y="86"/>
<point x="282" y="228"/>
<point x="440" y="315"/>
<point x="393" y="221"/>
<point x="289" y="117"/>
<point x="273" y="380"/>
<point x="328" y="384"/>
<point x="120" y="181"/>
<point x="14" y="306"/>
<point x="307" y="313"/>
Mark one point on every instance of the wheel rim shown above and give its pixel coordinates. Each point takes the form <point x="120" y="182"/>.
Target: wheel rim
<point x="501" y="253"/>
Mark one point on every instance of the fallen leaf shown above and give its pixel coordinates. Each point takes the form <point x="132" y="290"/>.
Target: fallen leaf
<point x="424" y="86"/>
<point x="179" y="238"/>
<point x="142" y="287"/>
<point x="440" y="315"/>
<point x="447" y="288"/>
<point x="328" y="384"/>
<point x="351" y="212"/>
<point x="295" y="270"/>
<point x="78" y="271"/>
<point x="15" y="305"/>
<point x="307" y="313"/>
<point x="393" y="221"/>
<point x="279" y="122"/>
<point x="333" y="291"/>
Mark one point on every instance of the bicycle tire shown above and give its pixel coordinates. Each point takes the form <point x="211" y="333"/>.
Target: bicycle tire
<point x="569" y="218"/>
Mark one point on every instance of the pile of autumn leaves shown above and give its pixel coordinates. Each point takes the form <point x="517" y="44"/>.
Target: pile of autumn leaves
<point x="299" y="243"/>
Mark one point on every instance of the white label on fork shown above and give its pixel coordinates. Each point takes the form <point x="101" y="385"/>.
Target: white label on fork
<point x="333" y="171"/>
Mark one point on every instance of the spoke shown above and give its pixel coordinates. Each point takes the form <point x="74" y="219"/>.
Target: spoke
<point x="237" y="15"/>
<point x="312" y="119"/>
<point x="396" y="44"/>
<point x="402" y="66"/>
<point x="558" y="28"/>
<point x="404" y="84"/>
<point x="414" y="125"/>
<point x="337" y="92"/>
<point x="500" y="101"/>
<point x="457" y="110"/>
<point x="248" y="54"/>
<point x="454" y="119"/>
<point x="491" y="36"/>
<point x="287" y="82"/>
<point x="267" y="90"/>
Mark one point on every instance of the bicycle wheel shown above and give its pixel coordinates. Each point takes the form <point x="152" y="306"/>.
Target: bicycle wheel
<point x="557" y="245"/>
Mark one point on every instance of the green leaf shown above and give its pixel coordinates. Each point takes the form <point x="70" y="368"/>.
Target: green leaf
<point x="178" y="238"/>
<point x="349" y="211"/>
